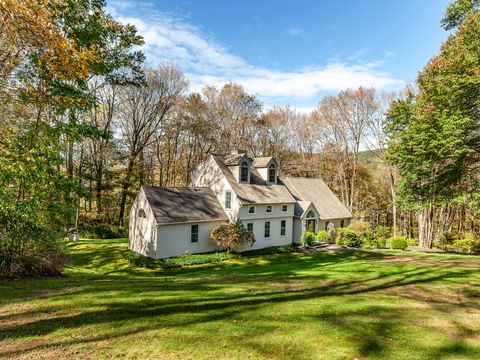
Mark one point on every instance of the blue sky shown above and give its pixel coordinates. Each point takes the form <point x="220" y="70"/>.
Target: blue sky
<point x="290" y="52"/>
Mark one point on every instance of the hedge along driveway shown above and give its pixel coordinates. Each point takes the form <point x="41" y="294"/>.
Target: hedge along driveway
<point x="319" y="305"/>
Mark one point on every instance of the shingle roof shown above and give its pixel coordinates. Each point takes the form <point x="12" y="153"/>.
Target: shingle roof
<point x="183" y="204"/>
<point x="261" y="162"/>
<point x="316" y="191"/>
<point x="233" y="159"/>
<point x="258" y="191"/>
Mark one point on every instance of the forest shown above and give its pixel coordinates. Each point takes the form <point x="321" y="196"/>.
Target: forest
<point x="84" y="122"/>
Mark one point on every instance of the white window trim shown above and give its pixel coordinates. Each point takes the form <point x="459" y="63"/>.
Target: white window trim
<point x="229" y="207"/>
<point x="271" y="209"/>
<point x="253" y="226"/>
<point x="248" y="173"/>
<point x="198" y="234"/>
<point x="283" y="206"/>
<point x="144" y="212"/>
<point x="248" y="210"/>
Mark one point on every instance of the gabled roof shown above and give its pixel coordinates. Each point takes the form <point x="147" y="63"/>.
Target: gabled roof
<point x="316" y="191"/>
<point x="262" y="162"/>
<point x="183" y="204"/>
<point x="301" y="207"/>
<point x="258" y="191"/>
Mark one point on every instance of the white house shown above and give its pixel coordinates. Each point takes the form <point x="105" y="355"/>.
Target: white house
<point x="171" y="221"/>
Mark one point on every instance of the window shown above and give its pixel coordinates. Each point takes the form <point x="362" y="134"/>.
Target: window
<point x="326" y="225"/>
<point x="268" y="209"/>
<point x="251" y="209"/>
<point x="142" y="214"/>
<point x="271" y="173"/>
<point x="250" y="228"/>
<point x="283" y="227"/>
<point x="310" y="214"/>
<point x="267" y="229"/>
<point x="228" y="200"/>
<point x="244" y="172"/>
<point x="194" y="234"/>
<point x="284" y="208"/>
<point x="342" y="223"/>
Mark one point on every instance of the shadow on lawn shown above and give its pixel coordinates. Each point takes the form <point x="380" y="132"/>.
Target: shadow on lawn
<point x="369" y="328"/>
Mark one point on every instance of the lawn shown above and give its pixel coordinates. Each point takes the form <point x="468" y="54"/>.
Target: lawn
<point x="342" y="305"/>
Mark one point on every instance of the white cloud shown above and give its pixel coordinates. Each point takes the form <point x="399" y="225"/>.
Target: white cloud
<point x="295" y="31"/>
<point x="206" y="62"/>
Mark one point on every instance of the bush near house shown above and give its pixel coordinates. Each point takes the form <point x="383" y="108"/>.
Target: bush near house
<point x="399" y="243"/>
<point x="348" y="238"/>
<point x="308" y="238"/>
<point x="371" y="240"/>
<point x="359" y="227"/>
<point x="231" y="237"/>
<point x="322" y="236"/>
<point x="177" y="261"/>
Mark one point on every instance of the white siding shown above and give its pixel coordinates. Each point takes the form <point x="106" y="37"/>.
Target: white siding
<point x="275" y="238"/>
<point x="142" y="231"/>
<point x="297" y="230"/>
<point x="174" y="240"/>
<point x="335" y="222"/>
<point x="208" y="174"/>
<point x="260" y="211"/>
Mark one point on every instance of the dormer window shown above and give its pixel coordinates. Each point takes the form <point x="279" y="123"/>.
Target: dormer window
<point x="272" y="173"/>
<point x="244" y="172"/>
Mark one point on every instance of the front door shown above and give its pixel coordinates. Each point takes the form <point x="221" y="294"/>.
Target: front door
<point x="310" y="225"/>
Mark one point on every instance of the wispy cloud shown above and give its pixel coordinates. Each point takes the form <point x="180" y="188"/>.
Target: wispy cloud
<point x="295" y="31"/>
<point x="207" y="62"/>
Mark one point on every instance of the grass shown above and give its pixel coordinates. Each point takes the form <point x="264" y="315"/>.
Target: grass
<point x="342" y="305"/>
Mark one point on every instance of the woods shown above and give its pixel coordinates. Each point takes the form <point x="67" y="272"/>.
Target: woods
<point x="85" y="122"/>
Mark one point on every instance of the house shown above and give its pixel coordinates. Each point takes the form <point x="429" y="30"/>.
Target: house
<point x="171" y="221"/>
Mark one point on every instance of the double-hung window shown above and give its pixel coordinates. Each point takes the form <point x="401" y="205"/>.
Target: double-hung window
<point x="283" y="227"/>
<point x="268" y="209"/>
<point x="250" y="228"/>
<point x="267" y="229"/>
<point x="194" y="234"/>
<point x="228" y="200"/>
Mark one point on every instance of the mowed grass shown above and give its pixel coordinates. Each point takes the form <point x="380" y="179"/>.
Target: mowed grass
<point x="342" y="305"/>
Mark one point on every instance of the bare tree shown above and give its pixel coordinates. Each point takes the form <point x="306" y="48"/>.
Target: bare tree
<point x="142" y="113"/>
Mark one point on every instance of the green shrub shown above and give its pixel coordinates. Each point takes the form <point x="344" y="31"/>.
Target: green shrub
<point x="322" y="236"/>
<point x="412" y="242"/>
<point x="101" y="231"/>
<point x="178" y="261"/>
<point x="468" y="245"/>
<point x="374" y="243"/>
<point x="350" y="238"/>
<point x="398" y="243"/>
<point x="308" y="238"/>
<point x="359" y="227"/>
<point x="382" y="232"/>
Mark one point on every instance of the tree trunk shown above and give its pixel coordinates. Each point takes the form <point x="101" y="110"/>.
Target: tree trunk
<point x="125" y="187"/>
<point x="425" y="227"/>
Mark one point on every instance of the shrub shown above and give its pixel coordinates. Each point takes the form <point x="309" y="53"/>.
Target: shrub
<point x="322" y="235"/>
<point x="382" y="232"/>
<point x="101" y="231"/>
<point x="398" y="243"/>
<point x="359" y="227"/>
<point x="350" y="238"/>
<point x="177" y="261"/>
<point x="308" y="238"/>
<point x="468" y="245"/>
<point x="27" y="248"/>
<point x="412" y="242"/>
<point x="374" y="243"/>
<point x="231" y="237"/>
<point x="272" y="250"/>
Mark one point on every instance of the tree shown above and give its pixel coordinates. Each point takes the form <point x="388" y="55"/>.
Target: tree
<point x="142" y="114"/>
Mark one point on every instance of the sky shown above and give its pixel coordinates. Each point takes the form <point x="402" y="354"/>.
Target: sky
<point x="289" y="52"/>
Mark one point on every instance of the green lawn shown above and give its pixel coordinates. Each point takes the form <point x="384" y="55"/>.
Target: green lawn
<point x="344" y="305"/>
